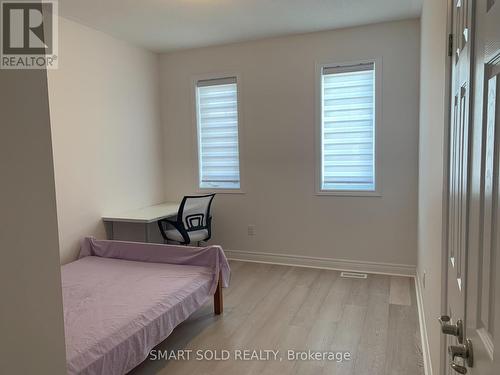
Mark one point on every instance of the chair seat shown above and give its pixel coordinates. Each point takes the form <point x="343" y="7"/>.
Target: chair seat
<point x="194" y="236"/>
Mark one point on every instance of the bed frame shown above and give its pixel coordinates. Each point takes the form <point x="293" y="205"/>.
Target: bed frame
<point x="218" y="300"/>
<point x="101" y="351"/>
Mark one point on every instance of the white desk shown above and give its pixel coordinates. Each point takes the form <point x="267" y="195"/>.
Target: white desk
<point x="145" y="216"/>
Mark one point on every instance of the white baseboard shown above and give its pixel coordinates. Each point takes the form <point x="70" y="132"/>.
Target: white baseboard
<point x="423" y="327"/>
<point x="325" y="263"/>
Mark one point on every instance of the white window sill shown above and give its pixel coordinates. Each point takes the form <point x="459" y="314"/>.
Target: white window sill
<point x="349" y="193"/>
<point x="220" y="191"/>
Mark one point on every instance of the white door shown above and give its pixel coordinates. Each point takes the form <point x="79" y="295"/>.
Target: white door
<point x="483" y="287"/>
<point x="474" y="191"/>
<point x="459" y="146"/>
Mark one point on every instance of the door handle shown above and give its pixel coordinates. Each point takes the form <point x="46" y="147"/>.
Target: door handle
<point x="463" y="351"/>
<point x="448" y="328"/>
<point x="458" y="368"/>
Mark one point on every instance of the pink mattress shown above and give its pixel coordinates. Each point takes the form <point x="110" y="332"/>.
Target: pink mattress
<point x="116" y="310"/>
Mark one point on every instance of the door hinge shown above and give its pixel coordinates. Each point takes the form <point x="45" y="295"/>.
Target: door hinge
<point x="450" y="45"/>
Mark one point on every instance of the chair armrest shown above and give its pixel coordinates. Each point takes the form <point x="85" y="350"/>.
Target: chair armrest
<point x="209" y="227"/>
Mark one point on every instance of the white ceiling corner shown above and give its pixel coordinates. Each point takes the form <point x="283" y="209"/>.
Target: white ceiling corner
<point x="166" y="25"/>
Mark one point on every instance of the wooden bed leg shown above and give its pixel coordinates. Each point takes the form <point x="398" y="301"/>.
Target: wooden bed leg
<point x="218" y="300"/>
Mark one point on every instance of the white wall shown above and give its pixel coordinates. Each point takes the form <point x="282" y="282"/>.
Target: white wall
<point x="431" y="165"/>
<point x="104" y="104"/>
<point x="31" y="316"/>
<point x="278" y="127"/>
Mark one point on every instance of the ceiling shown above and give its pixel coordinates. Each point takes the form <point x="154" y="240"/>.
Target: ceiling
<point x="166" y="25"/>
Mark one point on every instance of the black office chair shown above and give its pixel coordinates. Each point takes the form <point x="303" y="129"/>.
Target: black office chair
<point x="193" y="222"/>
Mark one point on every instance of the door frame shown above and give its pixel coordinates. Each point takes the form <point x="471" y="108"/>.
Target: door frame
<point x="446" y="170"/>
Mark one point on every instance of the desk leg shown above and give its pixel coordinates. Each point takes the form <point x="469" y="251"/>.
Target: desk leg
<point x="112" y="230"/>
<point x="146" y="232"/>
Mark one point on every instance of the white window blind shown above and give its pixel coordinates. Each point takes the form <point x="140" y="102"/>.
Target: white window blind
<point x="348" y="128"/>
<point x="217" y="118"/>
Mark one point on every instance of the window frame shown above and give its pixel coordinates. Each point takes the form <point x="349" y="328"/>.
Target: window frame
<point x="377" y="131"/>
<point x="194" y="108"/>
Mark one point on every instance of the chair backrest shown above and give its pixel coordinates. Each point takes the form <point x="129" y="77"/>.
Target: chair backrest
<point x="194" y="212"/>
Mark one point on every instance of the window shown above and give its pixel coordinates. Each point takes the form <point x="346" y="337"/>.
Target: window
<point x="348" y="114"/>
<point x="218" y="143"/>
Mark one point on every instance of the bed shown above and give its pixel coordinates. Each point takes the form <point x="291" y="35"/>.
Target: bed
<point x="122" y="298"/>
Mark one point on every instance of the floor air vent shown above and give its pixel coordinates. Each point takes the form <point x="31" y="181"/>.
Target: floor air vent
<point x="354" y="275"/>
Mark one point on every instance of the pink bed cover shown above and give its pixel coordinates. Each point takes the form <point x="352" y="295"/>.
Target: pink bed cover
<point x="121" y="299"/>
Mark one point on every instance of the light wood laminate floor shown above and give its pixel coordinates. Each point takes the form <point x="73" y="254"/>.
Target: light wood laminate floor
<point x="271" y="307"/>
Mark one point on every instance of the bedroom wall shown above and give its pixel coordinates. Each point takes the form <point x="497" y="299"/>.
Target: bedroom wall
<point x="278" y="159"/>
<point x="104" y="107"/>
<point x="431" y="166"/>
<point x="31" y="316"/>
